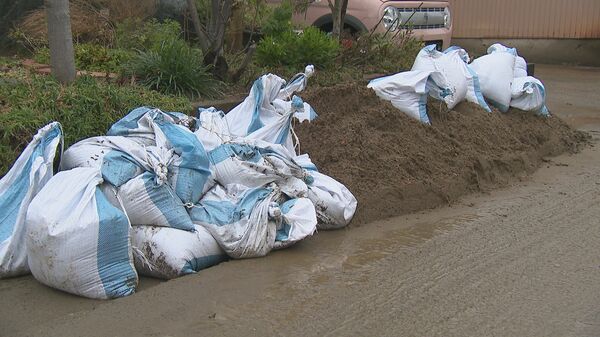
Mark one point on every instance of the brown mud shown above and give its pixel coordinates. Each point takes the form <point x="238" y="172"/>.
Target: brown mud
<point x="395" y="165"/>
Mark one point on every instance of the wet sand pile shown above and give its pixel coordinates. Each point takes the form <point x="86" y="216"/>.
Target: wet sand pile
<point x="395" y="165"/>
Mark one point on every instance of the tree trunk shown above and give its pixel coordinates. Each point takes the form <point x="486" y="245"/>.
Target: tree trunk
<point x="234" y="36"/>
<point x="338" y="12"/>
<point x="203" y="39"/>
<point x="60" y="39"/>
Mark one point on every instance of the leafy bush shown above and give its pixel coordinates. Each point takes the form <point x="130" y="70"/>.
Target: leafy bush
<point x="85" y="108"/>
<point x="310" y="47"/>
<point x="174" y="68"/>
<point x="381" y="54"/>
<point x="91" y="57"/>
<point x="316" y="47"/>
<point x="280" y="21"/>
<point x="281" y="46"/>
<point x="135" y="34"/>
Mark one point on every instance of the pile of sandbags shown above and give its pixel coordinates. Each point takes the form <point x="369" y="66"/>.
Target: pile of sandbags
<point x="498" y="79"/>
<point x="164" y="194"/>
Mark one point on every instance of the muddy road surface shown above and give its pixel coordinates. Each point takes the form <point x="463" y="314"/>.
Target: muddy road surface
<point x="520" y="261"/>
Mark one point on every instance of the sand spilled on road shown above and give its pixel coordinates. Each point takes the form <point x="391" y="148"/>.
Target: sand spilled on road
<point x="395" y="165"/>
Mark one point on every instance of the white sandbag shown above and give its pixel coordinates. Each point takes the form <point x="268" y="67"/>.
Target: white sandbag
<point x="119" y="158"/>
<point x="167" y="253"/>
<point x="528" y="94"/>
<point x="260" y="108"/>
<point x="257" y="109"/>
<point x="460" y="59"/>
<point x="297" y="83"/>
<point x="280" y="130"/>
<point x="257" y="166"/>
<point x="28" y="175"/>
<point x="150" y="201"/>
<point x="495" y="73"/>
<point x="334" y="203"/>
<point x="406" y="91"/>
<point x="212" y="129"/>
<point x="450" y="67"/>
<point x="138" y="126"/>
<point x="298" y="221"/>
<point x="188" y="172"/>
<point x="242" y="220"/>
<point x="520" y="63"/>
<point x="77" y="241"/>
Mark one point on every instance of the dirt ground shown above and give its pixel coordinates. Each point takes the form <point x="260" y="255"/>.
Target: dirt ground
<point x="519" y="261"/>
<point x="395" y="165"/>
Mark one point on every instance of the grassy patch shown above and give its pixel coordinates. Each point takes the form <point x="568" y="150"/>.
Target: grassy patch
<point x="85" y="108"/>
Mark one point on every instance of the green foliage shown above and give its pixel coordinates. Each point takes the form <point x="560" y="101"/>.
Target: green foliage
<point x="91" y="57"/>
<point x="316" y="47"/>
<point x="310" y="47"/>
<point x="86" y="108"/>
<point x="135" y="34"/>
<point x="174" y="68"/>
<point x="280" y="21"/>
<point x="381" y="54"/>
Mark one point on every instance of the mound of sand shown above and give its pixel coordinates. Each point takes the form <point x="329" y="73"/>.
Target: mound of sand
<point x="395" y="165"/>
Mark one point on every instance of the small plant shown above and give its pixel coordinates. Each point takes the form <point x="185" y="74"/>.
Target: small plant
<point x="174" y="68"/>
<point x="310" y="47"/>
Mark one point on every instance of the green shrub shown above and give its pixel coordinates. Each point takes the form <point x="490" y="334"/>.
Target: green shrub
<point x="92" y="57"/>
<point x="135" y="34"/>
<point x="310" y="47"/>
<point x="85" y="108"/>
<point x="316" y="47"/>
<point x="174" y="68"/>
<point x="271" y="51"/>
<point x="280" y="21"/>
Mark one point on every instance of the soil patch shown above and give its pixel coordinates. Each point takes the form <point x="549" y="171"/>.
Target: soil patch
<point x="395" y="165"/>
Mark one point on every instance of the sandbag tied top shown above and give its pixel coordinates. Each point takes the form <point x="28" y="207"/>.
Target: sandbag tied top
<point x="189" y="170"/>
<point x="408" y="91"/>
<point x="77" y="241"/>
<point x="296" y="83"/>
<point x="529" y="94"/>
<point x="280" y="131"/>
<point x="31" y="171"/>
<point x="148" y="202"/>
<point x="168" y="253"/>
<point x="257" y="109"/>
<point x="243" y="220"/>
<point x="496" y="73"/>
<point x="212" y="130"/>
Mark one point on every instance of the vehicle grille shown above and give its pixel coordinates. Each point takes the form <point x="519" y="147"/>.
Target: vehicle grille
<point x="422" y="18"/>
<point x="410" y="10"/>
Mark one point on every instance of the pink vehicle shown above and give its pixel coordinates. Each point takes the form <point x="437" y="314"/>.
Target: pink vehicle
<point x="430" y="20"/>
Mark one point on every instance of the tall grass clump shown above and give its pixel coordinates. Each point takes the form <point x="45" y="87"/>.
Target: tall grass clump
<point x="174" y="68"/>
